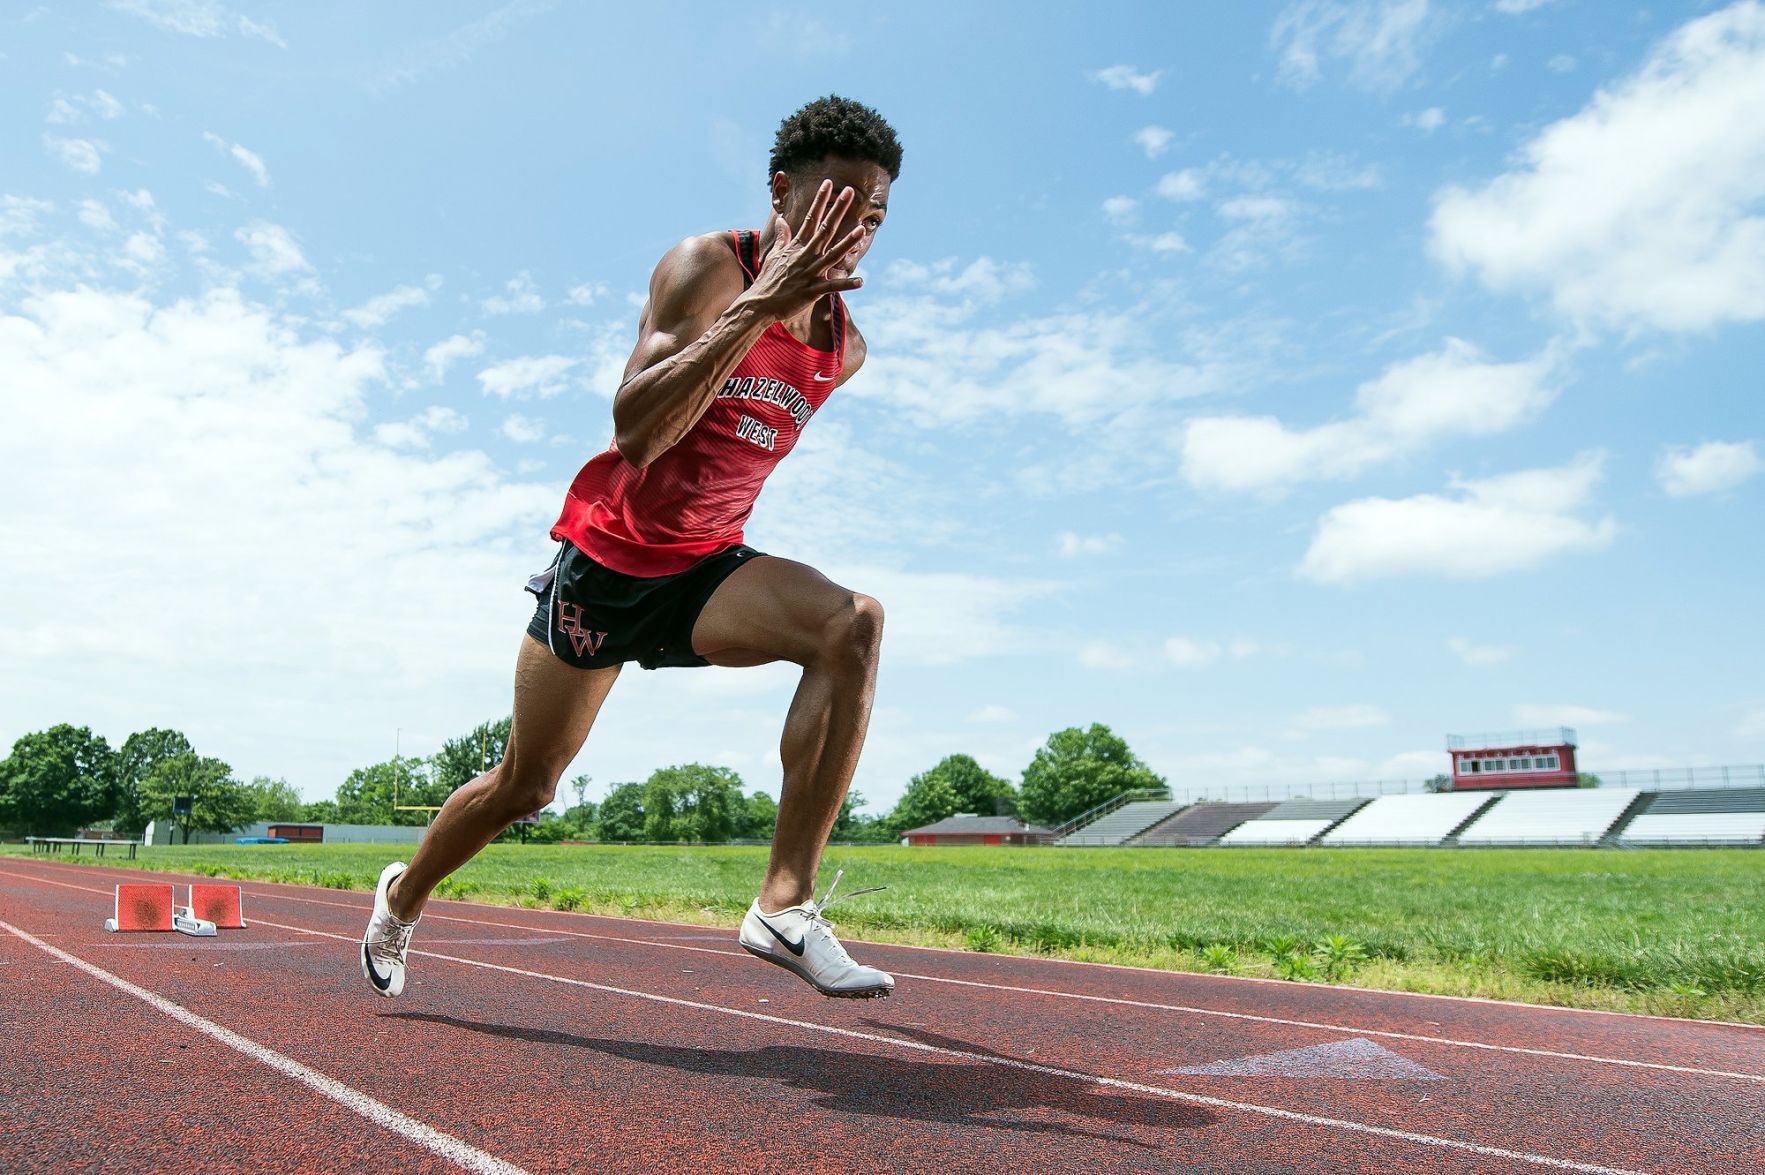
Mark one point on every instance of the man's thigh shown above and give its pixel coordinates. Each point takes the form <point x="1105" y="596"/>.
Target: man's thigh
<point x="772" y="609"/>
<point x="555" y="706"/>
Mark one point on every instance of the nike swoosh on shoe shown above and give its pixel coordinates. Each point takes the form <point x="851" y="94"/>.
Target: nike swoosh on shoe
<point x="374" y="972"/>
<point x="795" y="948"/>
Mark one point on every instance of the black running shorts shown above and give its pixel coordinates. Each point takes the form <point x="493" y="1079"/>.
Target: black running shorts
<point x="592" y="617"/>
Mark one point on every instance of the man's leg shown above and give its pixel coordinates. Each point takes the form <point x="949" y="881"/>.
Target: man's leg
<point x="555" y="705"/>
<point x="776" y="610"/>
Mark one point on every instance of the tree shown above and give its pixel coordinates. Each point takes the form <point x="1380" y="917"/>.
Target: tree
<point x="622" y="814"/>
<point x="1586" y="779"/>
<point x="956" y="784"/>
<point x="928" y="799"/>
<point x="57" y="780"/>
<point x="759" y="817"/>
<point x="321" y="812"/>
<point x="1077" y="770"/>
<point x="692" y="802"/>
<point x="142" y="752"/>
<point x="1439" y="783"/>
<point x="369" y="794"/>
<point x="461" y="760"/>
<point x="218" y="802"/>
<point x="273" y="800"/>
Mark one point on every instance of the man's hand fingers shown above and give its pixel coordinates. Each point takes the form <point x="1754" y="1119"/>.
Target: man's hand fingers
<point x="841" y="247"/>
<point x="838" y="285"/>
<point x="831" y="219"/>
<point x="812" y="218"/>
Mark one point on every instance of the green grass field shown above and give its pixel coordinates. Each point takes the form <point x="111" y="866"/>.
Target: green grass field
<point x="1664" y="932"/>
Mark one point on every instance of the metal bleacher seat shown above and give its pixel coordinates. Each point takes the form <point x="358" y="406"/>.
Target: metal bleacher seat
<point x="1407" y="820"/>
<point x="1701" y="816"/>
<point x="1555" y="816"/>
<point x="1294" y="822"/>
<point x="1199" y="825"/>
<point x="1118" y="826"/>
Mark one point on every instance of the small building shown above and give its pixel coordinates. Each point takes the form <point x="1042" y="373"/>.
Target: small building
<point x="1512" y="759"/>
<point x="965" y="829"/>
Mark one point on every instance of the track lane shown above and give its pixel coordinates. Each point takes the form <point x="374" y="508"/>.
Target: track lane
<point x="955" y="1017"/>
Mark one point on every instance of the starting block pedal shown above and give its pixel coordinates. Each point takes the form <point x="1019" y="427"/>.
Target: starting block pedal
<point x="219" y="904"/>
<point x="141" y="907"/>
<point x="151" y="907"/>
<point x="184" y="922"/>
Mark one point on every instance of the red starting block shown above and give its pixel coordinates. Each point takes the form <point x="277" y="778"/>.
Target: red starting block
<point x="142" y="907"/>
<point x="152" y="907"/>
<point x="219" y="904"/>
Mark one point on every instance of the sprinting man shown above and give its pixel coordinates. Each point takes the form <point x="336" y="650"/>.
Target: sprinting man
<point x="743" y="338"/>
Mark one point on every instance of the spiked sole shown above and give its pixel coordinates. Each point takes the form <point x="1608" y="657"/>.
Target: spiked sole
<point x="866" y="993"/>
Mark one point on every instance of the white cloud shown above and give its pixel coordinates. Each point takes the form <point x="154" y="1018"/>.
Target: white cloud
<point x="982" y="279"/>
<point x="456" y="47"/>
<point x="1708" y="469"/>
<point x="65" y="111"/>
<point x="1561" y="63"/>
<point x="1356" y="717"/>
<point x="1427" y="121"/>
<point x="1333" y="171"/>
<point x="523" y="297"/>
<point x="273" y="249"/>
<point x="993" y="714"/>
<point x="1537" y="715"/>
<point x="1181" y="185"/>
<point x="1514" y="7"/>
<point x="1640" y="210"/>
<point x="96" y="215"/>
<point x="541" y="375"/>
<point x="198" y="18"/>
<point x="445" y="353"/>
<point x="1456" y="391"/>
<point x="1168" y="242"/>
<point x="246" y="158"/>
<point x="1126" y="77"/>
<point x="800" y="34"/>
<point x="586" y="294"/>
<point x="1073" y="545"/>
<point x="1490" y="527"/>
<point x="256" y="435"/>
<point x="523" y="429"/>
<point x="1100" y="654"/>
<point x="1381" y="40"/>
<point x="1154" y="140"/>
<point x="1478" y="656"/>
<point x="18" y="214"/>
<point x="82" y="155"/>
<point x="415" y="433"/>
<point x="378" y="310"/>
<point x="1121" y="210"/>
<point x="1190" y="653"/>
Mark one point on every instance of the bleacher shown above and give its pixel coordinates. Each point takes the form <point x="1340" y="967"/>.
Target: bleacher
<point x="1407" y="820"/>
<point x="1726" y="816"/>
<point x="1125" y="822"/>
<point x="1201" y="824"/>
<point x="1575" y="816"/>
<point x="1293" y="822"/>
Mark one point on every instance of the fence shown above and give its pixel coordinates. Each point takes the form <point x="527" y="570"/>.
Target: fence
<point x="1650" y="779"/>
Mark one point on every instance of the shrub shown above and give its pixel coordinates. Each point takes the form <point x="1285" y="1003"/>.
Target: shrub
<point x="985" y="939"/>
<point x="1220" y="959"/>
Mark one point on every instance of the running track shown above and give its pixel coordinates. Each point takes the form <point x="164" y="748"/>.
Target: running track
<point x="530" y="1040"/>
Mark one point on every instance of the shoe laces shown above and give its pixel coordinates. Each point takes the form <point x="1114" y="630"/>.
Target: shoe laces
<point x="393" y="940"/>
<point x="819" y="920"/>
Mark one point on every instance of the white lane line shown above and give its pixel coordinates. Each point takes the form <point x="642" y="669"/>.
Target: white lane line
<point x="1010" y="1063"/>
<point x="1184" y="1009"/>
<point x="456" y="1151"/>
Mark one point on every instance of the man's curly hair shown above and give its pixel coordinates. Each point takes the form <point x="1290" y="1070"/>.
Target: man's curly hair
<point x="835" y="126"/>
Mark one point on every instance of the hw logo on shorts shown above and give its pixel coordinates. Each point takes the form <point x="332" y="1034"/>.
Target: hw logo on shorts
<point x="586" y="642"/>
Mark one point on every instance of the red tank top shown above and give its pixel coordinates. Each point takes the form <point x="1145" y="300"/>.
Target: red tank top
<point x="694" y="499"/>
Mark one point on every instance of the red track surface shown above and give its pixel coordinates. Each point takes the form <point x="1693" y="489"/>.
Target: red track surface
<point x="543" y="1041"/>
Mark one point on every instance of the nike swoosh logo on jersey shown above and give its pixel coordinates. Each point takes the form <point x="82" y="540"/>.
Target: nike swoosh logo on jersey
<point x="795" y="948"/>
<point x="823" y="378"/>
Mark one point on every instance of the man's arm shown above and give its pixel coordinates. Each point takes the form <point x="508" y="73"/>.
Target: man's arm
<point x="699" y="323"/>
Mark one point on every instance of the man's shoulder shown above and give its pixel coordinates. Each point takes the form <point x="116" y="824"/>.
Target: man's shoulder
<point x="694" y="263"/>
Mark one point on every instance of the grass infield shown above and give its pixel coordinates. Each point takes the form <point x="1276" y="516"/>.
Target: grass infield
<point x="1666" y="932"/>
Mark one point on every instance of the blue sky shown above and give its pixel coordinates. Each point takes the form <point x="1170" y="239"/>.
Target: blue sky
<point x="1283" y="385"/>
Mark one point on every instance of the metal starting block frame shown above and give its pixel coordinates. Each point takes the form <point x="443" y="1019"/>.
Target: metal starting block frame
<point x="150" y="907"/>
